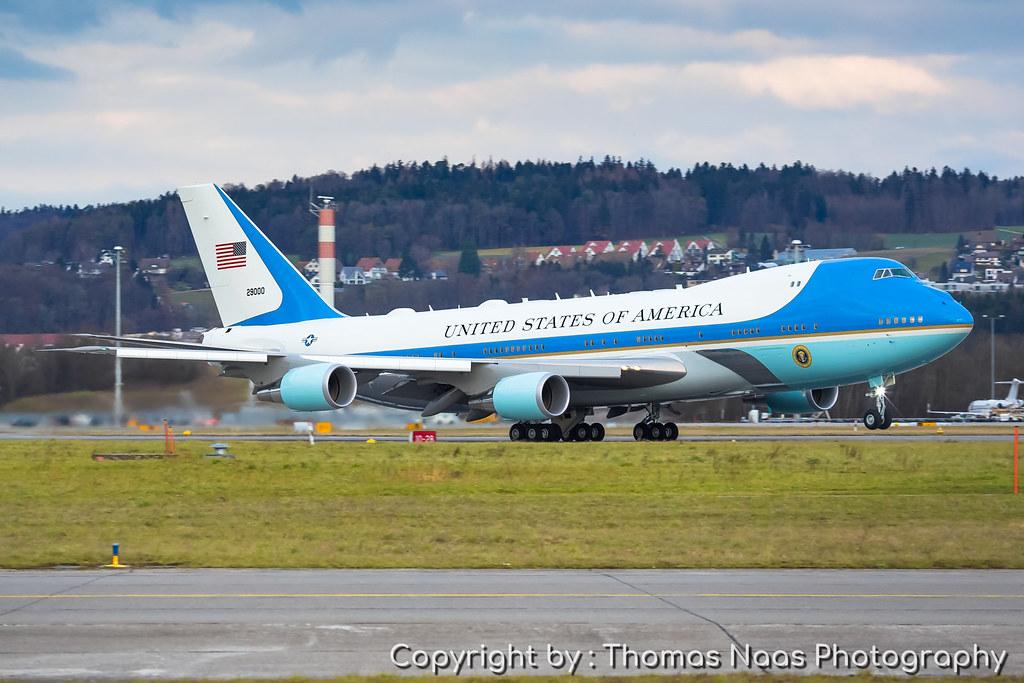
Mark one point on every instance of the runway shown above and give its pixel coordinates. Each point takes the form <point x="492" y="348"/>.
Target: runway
<point x="863" y="435"/>
<point x="215" y="623"/>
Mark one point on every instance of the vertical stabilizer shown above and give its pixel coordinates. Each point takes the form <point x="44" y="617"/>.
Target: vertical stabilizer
<point x="252" y="281"/>
<point x="1014" y="387"/>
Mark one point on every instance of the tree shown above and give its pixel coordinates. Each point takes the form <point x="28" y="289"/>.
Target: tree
<point x="469" y="261"/>
<point x="766" y="249"/>
<point x="409" y="268"/>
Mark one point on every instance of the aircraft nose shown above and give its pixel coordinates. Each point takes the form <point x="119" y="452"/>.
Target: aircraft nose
<point x="959" y="314"/>
<point x="950" y="311"/>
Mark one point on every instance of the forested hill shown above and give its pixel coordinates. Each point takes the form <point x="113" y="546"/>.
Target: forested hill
<point x="384" y="211"/>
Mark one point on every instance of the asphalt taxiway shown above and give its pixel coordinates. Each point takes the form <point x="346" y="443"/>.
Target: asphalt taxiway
<point x="494" y="437"/>
<point x="165" y="623"/>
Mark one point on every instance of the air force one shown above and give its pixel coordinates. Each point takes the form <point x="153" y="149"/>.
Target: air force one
<point x="787" y="337"/>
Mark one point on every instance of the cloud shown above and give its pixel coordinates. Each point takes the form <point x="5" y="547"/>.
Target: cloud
<point x="831" y="81"/>
<point x="647" y="36"/>
<point x="236" y="92"/>
<point x="15" y="66"/>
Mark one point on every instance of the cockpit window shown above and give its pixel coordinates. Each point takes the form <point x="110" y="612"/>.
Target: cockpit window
<point x="883" y="273"/>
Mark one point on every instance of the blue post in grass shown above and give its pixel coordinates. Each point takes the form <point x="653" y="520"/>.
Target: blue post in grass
<point x="115" y="562"/>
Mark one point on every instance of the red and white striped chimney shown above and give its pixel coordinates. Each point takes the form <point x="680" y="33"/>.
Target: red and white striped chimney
<point x="326" y="251"/>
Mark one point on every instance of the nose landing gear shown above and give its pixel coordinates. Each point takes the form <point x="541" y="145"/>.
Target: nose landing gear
<point x="879" y="417"/>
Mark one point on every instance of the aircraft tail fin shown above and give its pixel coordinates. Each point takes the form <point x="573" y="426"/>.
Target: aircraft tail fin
<point x="252" y="281"/>
<point x="1014" y="389"/>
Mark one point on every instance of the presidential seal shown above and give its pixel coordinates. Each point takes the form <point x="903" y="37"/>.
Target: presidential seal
<point x="801" y="356"/>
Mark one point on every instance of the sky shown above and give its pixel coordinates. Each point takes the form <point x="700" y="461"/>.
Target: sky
<point x="110" y="101"/>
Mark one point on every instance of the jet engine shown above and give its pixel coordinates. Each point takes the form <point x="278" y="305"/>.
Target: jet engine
<point x="531" y="396"/>
<point x="807" y="401"/>
<point x="321" y="386"/>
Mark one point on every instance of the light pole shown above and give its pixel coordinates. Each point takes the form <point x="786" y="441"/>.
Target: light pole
<point x="992" y="349"/>
<point x="118" y="406"/>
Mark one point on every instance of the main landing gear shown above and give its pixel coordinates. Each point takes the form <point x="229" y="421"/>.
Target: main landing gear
<point x="534" y="431"/>
<point x="652" y="429"/>
<point x="543" y="431"/>
<point x="879" y="417"/>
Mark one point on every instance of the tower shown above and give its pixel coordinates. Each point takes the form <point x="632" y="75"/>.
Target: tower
<point x="324" y="209"/>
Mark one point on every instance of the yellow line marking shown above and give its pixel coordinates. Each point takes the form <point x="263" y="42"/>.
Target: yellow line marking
<point x="203" y="596"/>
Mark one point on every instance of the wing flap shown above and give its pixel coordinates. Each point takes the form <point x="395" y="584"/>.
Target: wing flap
<point x="211" y="356"/>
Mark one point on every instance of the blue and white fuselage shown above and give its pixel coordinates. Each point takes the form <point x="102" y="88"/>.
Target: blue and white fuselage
<point x="734" y="336"/>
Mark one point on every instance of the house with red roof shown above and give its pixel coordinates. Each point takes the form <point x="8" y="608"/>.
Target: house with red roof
<point x="373" y="267"/>
<point x="595" y="248"/>
<point x="634" y="249"/>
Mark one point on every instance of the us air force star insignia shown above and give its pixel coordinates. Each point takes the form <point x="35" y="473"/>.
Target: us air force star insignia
<point x="308" y="341"/>
<point x="801" y="356"/>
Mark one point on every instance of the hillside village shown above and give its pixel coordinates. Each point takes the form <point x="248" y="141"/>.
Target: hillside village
<point x="987" y="262"/>
<point x="983" y="262"/>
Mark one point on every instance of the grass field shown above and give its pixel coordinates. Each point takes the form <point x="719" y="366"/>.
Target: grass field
<point x="515" y="505"/>
<point x="910" y="240"/>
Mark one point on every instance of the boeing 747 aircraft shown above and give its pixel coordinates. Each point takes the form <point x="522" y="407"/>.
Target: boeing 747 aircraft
<point x="788" y="337"/>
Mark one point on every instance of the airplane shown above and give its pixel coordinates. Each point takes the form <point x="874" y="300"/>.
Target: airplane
<point x="991" y="408"/>
<point x="788" y="337"/>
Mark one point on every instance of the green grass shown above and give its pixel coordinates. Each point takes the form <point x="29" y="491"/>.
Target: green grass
<point x="878" y="504"/>
<point x="916" y="240"/>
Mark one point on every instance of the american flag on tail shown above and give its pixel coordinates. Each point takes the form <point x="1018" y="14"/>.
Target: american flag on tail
<point x="231" y="255"/>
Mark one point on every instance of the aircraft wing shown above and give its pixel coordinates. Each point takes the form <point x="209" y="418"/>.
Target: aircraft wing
<point x="211" y="355"/>
<point x="625" y="372"/>
<point x="631" y="372"/>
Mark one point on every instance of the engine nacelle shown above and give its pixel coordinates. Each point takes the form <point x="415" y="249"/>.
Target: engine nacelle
<point x="807" y="401"/>
<point x="531" y="396"/>
<point x="321" y="386"/>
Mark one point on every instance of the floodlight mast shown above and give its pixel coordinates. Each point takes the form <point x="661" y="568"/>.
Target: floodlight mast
<point x="118" y="398"/>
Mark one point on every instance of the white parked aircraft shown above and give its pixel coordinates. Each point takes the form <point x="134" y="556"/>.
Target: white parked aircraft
<point x="788" y="336"/>
<point x="1012" y="407"/>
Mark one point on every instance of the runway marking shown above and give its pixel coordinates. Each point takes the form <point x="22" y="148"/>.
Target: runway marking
<point x="204" y="596"/>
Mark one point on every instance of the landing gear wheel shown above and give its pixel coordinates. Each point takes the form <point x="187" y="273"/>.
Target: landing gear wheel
<point x="656" y="430"/>
<point x="554" y="433"/>
<point x="597" y="432"/>
<point x="640" y="432"/>
<point x="671" y="431"/>
<point x="532" y="433"/>
<point x="872" y="420"/>
<point x="516" y="432"/>
<point x="886" y="421"/>
<point x="581" y="432"/>
<point x="544" y="433"/>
